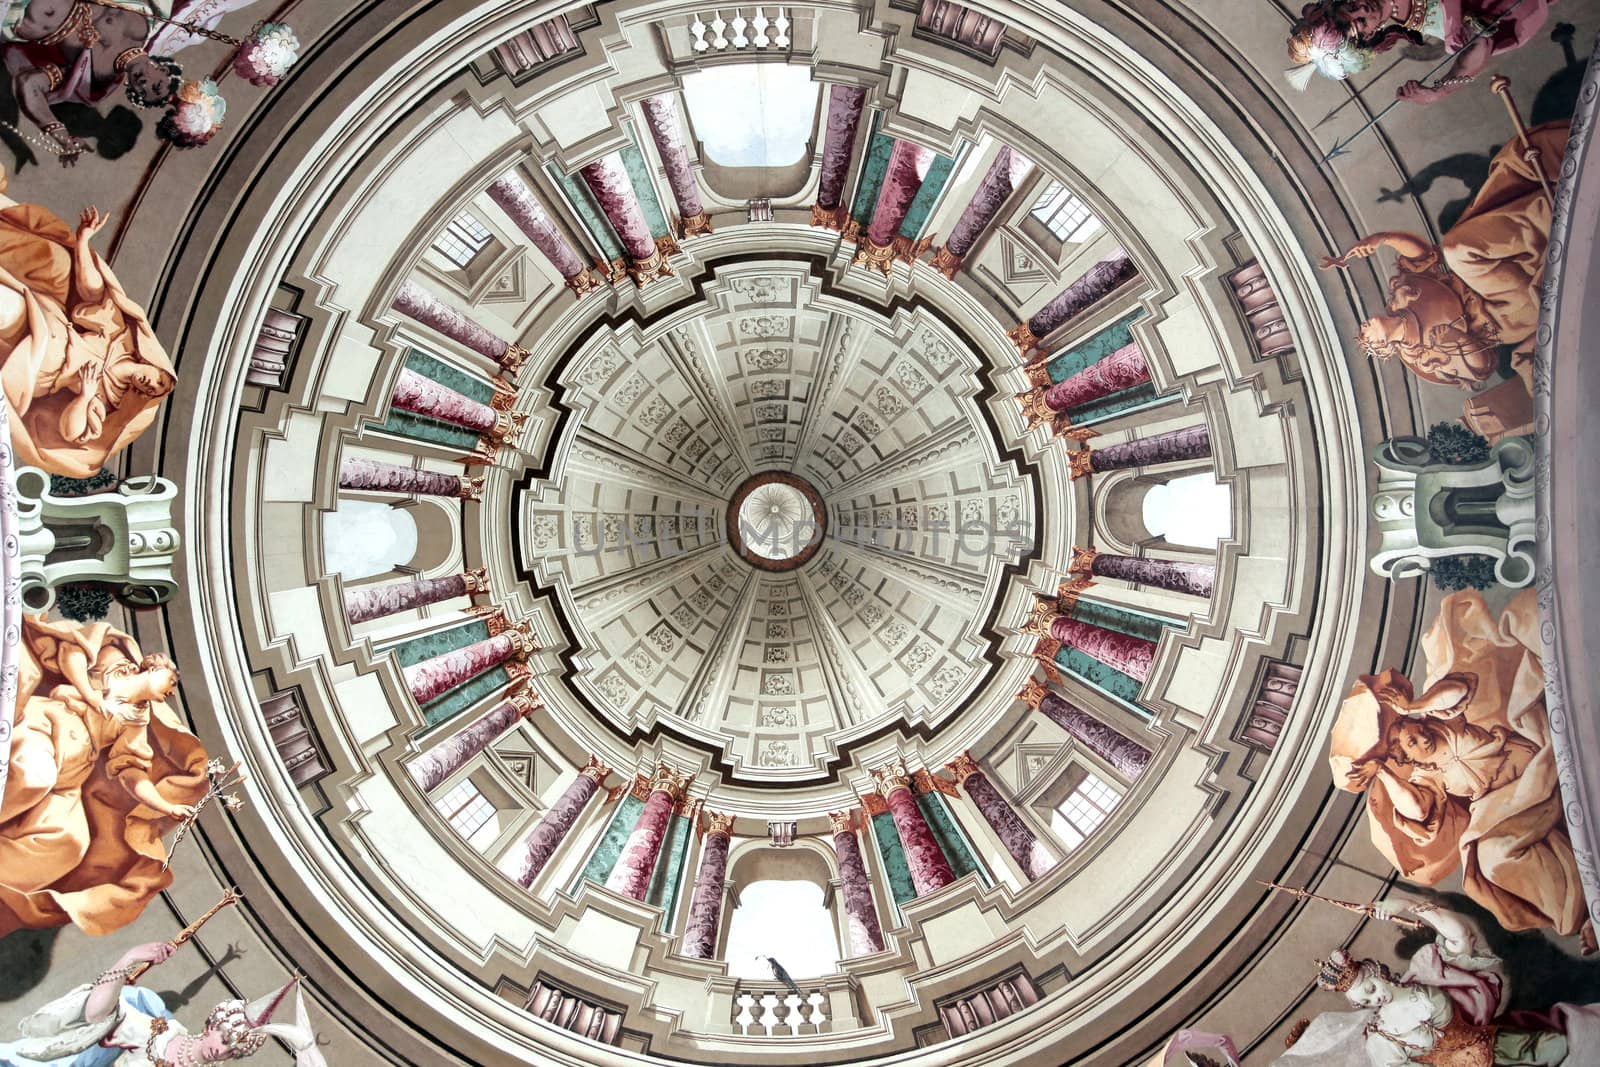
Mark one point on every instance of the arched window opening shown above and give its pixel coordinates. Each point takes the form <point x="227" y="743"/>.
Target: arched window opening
<point x="365" y="537"/>
<point x="1195" y="511"/>
<point x="752" y="114"/>
<point x="787" y="921"/>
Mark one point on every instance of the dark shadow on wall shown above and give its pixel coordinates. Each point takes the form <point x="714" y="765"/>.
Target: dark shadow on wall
<point x="1542" y="973"/>
<point x="27" y="956"/>
<point x="1555" y="100"/>
<point x="177" y="999"/>
<point x="111" y="134"/>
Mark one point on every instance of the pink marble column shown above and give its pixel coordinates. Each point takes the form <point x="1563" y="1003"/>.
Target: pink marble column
<point x="631" y="875"/>
<point x="861" y="914"/>
<point x="1123" y="753"/>
<point x="1098" y="282"/>
<point x="1002" y="817"/>
<point x="1119" y="651"/>
<point x="1174" y="446"/>
<point x="376" y="601"/>
<point x="838" y="142"/>
<point x="930" y="871"/>
<point x="444" y="759"/>
<point x="1195" y="579"/>
<point x="705" y="910"/>
<point x="661" y="115"/>
<point x="557" y="822"/>
<point x="908" y="164"/>
<point x="1009" y="169"/>
<point x="423" y="396"/>
<point x="432" y="678"/>
<point x="417" y="303"/>
<point x="378" y="477"/>
<point x="608" y="179"/>
<point x="523" y="208"/>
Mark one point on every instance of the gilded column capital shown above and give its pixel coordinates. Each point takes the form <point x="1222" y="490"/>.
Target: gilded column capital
<point x="1022" y="336"/>
<point x="715" y="822"/>
<point x="829" y="218"/>
<point x="674" y="783"/>
<point x="1033" y="693"/>
<point x="875" y="257"/>
<point x="964" y="766"/>
<point x="508" y="424"/>
<point x="1082" y="462"/>
<point x="667" y="245"/>
<point x="695" y="225"/>
<point x="1082" y="560"/>
<point x="1043" y="614"/>
<point x="925" y="781"/>
<point x="504" y="398"/>
<point x="512" y="359"/>
<point x="595" y="770"/>
<point x="908" y="251"/>
<point x="492" y="616"/>
<point x="476" y="580"/>
<point x="946" y="262"/>
<point x="583" y="283"/>
<point x="1038" y="374"/>
<point x="526" y="704"/>
<point x="873" y="804"/>
<point x="892" y="776"/>
<point x="1036" y="411"/>
<point x="483" y="454"/>
<point x="1067" y="593"/>
<point x="470" y="488"/>
<point x="646" y="270"/>
<point x="850" y="230"/>
<point x="842" y="822"/>
<point x="1045" y="651"/>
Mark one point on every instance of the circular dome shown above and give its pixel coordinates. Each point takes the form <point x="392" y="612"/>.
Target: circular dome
<point x="777" y="521"/>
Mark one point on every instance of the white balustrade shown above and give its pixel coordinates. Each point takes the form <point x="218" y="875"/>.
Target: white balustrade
<point x="712" y="35"/>
<point x="775" y="1013"/>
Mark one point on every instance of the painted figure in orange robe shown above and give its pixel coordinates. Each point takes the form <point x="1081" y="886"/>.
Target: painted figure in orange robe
<point x="100" y="770"/>
<point x="1463" y="775"/>
<point x="1452" y="305"/>
<point x="80" y="368"/>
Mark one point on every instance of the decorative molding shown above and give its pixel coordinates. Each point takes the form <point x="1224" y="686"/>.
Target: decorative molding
<point x="294" y="737"/>
<point x="1270" y="711"/>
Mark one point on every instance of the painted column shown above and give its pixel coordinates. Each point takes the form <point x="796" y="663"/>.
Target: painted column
<point x="421" y="395"/>
<point x="661" y="115"/>
<point x="379" y="477"/>
<point x="608" y="179"/>
<point x="999" y="814"/>
<point x="1119" y="651"/>
<point x="1097" y="283"/>
<point x="1122" y="369"/>
<point x="518" y="202"/>
<point x="1009" y="169"/>
<point x="434" y="677"/>
<point x="1174" y="446"/>
<point x="377" y="601"/>
<point x="930" y="871"/>
<point x="839" y="140"/>
<point x="417" y="303"/>
<point x="559" y="820"/>
<point x="908" y="163"/>
<point x="631" y="875"/>
<point x="861" y="914"/>
<point x="1123" y="753"/>
<point x="446" y="758"/>
<point x="705" y="909"/>
<point x="1195" y="579"/>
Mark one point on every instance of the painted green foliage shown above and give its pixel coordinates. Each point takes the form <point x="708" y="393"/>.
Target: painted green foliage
<point x="893" y="854"/>
<point x="952" y="842"/>
<point x="588" y="210"/>
<point x="609" y="850"/>
<point x="462" y="697"/>
<point x="420" y="428"/>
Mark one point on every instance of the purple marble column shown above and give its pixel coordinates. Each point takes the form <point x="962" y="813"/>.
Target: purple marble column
<point x="1195" y="579"/>
<point x="434" y="677"/>
<point x="392" y="478"/>
<point x="1127" y="756"/>
<point x="523" y="208"/>
<point x="705" y="910"/>
<point x="376" y="601"/>
<point x="444" y="759"/>
<point x="1097" y="283"/>
<point x="631" y="875"/>
<point x="608" y="179"/>
<point x="557" y="822"/>
<point x="999" y="814"/>
<point x="1009" y="169"/>
<point x="838" y="142"/>
<point x="1174" y="446"/>
<point x="861" y="914"/>
<point x="661" y="115"/>
<point x="417" y="303"/>
<point x="930" y="871"/>
<point x="908" y="164"/>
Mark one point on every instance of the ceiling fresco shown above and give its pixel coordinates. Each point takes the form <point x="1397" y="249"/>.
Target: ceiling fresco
<point x="899" y="532"/>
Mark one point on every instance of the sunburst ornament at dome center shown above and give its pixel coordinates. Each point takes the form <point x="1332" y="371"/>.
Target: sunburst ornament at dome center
<point x="776" y="521"/>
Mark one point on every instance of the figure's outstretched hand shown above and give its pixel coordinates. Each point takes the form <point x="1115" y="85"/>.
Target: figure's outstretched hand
<point x="90" y="222"/>
<point x="70" y="147"/>
<point x="1363" y="773"/>
<point x="153" y="953"/>
<point x="180" y="811"/>
<point x="1360" y="250"/>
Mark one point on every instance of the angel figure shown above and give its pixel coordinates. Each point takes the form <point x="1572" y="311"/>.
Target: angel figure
<point x="1338" y="38"/>
<point x="101" y="1015"/>
<point x="100" y="770"/>
<point x="80" y="367"/>
<point x="1447" y="1010"/>
<point x="1463" y="774"/>
<point x="1452" y="305"/>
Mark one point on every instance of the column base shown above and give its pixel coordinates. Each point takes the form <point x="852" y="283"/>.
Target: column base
<point x="829" y="218"/>
<point x="694" y="225"/>
<point x="946" y="262"/>
<point x="1023" y="338"/>
<point x="583" y="283"/>
<point x="653" y="267"/>
<point x="876" y="257"/>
